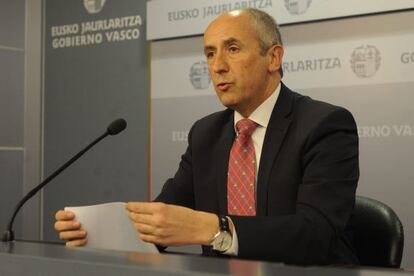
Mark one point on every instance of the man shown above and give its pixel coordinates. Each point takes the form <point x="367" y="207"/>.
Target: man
<point x="273" y="177"/>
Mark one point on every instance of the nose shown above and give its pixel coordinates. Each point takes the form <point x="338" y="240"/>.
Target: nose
<point x="220" y="64"/>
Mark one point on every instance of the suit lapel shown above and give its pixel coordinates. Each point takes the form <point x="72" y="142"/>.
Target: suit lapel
<point x="275" y="134"/>
<point x="223" y="152"/>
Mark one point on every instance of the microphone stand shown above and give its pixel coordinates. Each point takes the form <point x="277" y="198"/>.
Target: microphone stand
<point x="8" y="235"/>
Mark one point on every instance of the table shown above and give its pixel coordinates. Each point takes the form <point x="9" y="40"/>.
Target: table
<point x="42" y="258"/>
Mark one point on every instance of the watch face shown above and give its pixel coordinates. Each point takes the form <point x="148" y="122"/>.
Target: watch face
<point x="222" y="242"/>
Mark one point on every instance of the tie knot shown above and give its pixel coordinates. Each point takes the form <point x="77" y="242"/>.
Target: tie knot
<point x="246" y="127"/>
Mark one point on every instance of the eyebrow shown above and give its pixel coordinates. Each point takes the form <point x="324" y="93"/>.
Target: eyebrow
<point x="227" y="42"/>
<point x="231" y="40"/>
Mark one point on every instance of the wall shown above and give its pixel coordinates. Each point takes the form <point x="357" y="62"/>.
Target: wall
<point x="53" y="102"/>
<point x="12" y="51"/>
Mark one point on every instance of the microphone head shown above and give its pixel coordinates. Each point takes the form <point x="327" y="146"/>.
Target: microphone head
<point x="116" y="126"/>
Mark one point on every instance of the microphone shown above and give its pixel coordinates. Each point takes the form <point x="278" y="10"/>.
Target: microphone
<point x="113" y="129"/>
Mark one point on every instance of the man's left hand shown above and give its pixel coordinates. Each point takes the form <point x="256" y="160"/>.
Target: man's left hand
<point x="169" y="225"/>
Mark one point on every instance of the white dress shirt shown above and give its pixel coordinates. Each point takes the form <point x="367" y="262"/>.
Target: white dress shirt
<point x="260" y="116"/>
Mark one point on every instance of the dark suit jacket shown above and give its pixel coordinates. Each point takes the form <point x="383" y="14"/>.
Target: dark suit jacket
<point x="305" y="188"/>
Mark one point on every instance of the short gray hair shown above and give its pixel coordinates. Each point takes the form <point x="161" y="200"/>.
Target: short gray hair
<point x="267" y="30"/>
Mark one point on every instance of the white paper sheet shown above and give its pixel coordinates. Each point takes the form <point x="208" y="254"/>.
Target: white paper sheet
<point x="109" y="227"/>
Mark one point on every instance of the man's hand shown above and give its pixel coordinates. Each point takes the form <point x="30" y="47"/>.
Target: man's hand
<point x="165" y="224"/>
<point x="69" y="229"/>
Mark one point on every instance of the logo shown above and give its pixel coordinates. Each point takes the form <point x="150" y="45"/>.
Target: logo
<point x="297" y="7"/>
<point x="365" y="61"/>
<point x="94" y="6"/>
<point x="199" y="76"/>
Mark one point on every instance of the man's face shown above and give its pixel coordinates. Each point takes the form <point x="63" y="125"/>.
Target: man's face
<point x="239" y="72"/>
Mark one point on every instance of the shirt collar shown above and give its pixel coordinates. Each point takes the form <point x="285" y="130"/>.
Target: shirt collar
<point x="261" y="115"/>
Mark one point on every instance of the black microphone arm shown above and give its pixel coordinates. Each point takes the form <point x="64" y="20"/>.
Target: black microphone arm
<point x="113" y="129"/>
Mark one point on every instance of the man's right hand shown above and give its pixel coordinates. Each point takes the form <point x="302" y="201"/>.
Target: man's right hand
<point x="70" y="229"/>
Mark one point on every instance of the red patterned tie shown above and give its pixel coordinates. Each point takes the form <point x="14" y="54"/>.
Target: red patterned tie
<point x="241" y="171"/>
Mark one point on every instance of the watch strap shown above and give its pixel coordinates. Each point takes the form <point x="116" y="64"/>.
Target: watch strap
<point x="224" y="223"/>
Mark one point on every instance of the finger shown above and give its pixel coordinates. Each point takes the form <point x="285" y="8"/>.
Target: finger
<point x="145" y="229"/>
<point x="141" y="218"/>
<point x="150" y="238"/>
<point x="64" y="215"/>
<point x="156" y="240"/>
<point x="67" y="225"/>
<point x="72" y="235"/>
<point x="145" y="207"/>
<point x="79" y="242"/>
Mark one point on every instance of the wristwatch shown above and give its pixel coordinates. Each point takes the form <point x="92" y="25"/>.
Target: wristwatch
<point x="222" y="240"/>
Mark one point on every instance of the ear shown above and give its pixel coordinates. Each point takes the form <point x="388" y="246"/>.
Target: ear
<point x="275" y="54"/>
